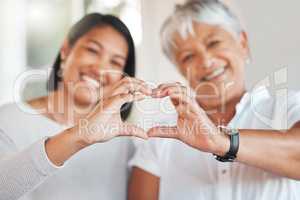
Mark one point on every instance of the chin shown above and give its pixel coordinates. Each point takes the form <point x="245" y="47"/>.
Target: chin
<point x="85" y="98"/>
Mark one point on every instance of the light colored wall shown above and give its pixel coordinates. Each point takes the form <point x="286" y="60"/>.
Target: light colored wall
<point x="12" y="45"/>
<point x="274" y="35"/>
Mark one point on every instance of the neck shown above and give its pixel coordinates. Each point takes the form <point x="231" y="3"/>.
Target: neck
<point x="63" y="109"/>
<point x="223" y="113"/>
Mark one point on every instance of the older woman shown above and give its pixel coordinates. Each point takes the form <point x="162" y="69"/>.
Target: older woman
<point x="206" y="42"/>
<point x="87" y="88"/>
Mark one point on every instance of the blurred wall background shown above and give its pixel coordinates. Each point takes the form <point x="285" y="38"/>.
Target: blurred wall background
<point x="32" y="31"/>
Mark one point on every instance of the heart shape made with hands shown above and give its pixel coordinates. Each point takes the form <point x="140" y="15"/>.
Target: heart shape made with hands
<point x="189" y="123"/>
<point x="193" y="126"/>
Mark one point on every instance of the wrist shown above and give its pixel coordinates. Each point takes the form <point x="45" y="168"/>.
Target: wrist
<point x="79" y="137"/>
<point x="231" y="154"/>
<point x="61" y="147"/>
<point x="222" y="144"/>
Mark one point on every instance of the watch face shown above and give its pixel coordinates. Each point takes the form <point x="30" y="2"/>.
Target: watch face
<point x="228" y="131"/>
<point x="234" y="131"/>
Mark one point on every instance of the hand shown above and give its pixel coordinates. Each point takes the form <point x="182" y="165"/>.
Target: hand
<point x="105" y="122"/>
<point x="193" y="125"/>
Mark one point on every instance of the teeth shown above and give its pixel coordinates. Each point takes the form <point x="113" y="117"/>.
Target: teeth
<point x="214" y="74"/>
<point x="91" y="81"/>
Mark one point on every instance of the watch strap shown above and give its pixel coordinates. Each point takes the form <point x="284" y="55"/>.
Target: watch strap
<point x="230" y="156"/>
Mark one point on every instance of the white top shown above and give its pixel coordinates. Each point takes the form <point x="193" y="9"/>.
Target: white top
<point x="186" y="173"/>
<point x="97" y="172"/>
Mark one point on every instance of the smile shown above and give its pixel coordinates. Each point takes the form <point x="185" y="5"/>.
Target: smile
<point x="91" y="81"/>
<point x="214" y="74"/>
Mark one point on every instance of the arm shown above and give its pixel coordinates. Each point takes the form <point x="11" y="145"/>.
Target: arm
<point x="272" y="151"/>
<point x="143" y="185"/>
<point x="103" y="124"/>
<point x="23" y="171"/>
<point x="269" y="150"/>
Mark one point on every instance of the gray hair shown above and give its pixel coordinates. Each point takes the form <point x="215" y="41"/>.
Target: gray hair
<point x="212" y="12"/>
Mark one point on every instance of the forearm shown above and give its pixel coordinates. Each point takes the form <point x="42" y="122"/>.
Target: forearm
<point x="23" y="171"/>
<point x="64" y="145"/>
<point x="272" y="151"/>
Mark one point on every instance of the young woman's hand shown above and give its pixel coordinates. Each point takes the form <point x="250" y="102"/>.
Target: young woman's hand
<point x="193" y="125"/>
<point x="105" y="122"/>
<point x="102" y="124"/>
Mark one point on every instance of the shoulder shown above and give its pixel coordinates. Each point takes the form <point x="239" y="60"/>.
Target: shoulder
<point x="25" y="125"/>
<point x="10" y="109"/>
<point x="37" y="103"/>
<point x="278" y="109"/>
<point x="265" y="98"/>
<point x="14" y="111"/>
<point x="10" y="115"/>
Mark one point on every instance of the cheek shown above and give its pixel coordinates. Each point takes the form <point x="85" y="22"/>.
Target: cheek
<point x="183" y="69"/>
<point x="115" y="77"/>
<point x="234" y="59"/>
<point x="70" y="72"/>
<point x="192" y="70"/>
<point x="236" y="70"/>
<point x="76" y="63"/>
<point x="238" y="66"/>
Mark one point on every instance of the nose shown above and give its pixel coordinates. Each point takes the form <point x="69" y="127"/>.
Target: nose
<point x="100" y="71"/>
<point x="103" y="72"/>
<point x="205" y="60"/>
<point x="101" y="65"/>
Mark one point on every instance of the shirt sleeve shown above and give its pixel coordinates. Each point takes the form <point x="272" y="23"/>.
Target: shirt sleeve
<point x="293" y="109"/>
<point x="145" y="158"/>
<point x="22" y="171"/>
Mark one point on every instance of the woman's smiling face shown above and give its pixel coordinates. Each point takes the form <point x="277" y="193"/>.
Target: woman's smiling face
<point x="93" y="64"/>
<point x="212" y="60"/>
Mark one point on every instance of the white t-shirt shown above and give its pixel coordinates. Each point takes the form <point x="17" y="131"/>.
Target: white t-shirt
<point x="97" y="172"/>
<point x="186" y="173"/>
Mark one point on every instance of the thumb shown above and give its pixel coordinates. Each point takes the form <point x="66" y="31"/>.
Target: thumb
<point x="164" y="132"/>
<point x="132" y="130"/>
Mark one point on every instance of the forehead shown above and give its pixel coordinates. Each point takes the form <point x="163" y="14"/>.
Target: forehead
<point x="201" y="32"/>
<point x="108" y="37"/>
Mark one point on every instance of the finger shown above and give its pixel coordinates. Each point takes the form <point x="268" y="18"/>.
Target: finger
<point x="178" y="98"/>
<point x="164" y="132"/>
<point x="182" y="97"/>
<point x="166" y="91"/>
<point x="132" y="86"/>
<point x="184" y="104"/>
<point x="118" y="100"/>
<point x="162" y="86"/>
<point x="132" y="130"/>
<point x="157" y="91"/>
<point x="132" y="79"/>
<point x="181" y="90"/>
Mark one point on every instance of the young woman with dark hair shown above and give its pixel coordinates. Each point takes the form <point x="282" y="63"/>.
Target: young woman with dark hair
<point x="90" y="89"/>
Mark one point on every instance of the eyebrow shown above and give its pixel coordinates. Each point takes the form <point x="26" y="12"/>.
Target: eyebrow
<point x="212" y="34"/>
<point x="101" y="47"/>
<point x="95" y="42"/>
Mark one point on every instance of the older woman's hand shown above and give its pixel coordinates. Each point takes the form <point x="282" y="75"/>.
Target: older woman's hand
<point x="193" y="125"/>
<point x="105" y="122"/>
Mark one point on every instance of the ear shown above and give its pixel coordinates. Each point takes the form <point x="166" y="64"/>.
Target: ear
<point x="65" y="50"/>
<point x="245" y="44"/>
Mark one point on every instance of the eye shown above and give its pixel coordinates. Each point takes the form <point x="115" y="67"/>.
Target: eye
<point x="214" y="43"/>
<point x="92" y="50"/>
<point x="117" y="64"/>
<point x="187" y="58"/>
